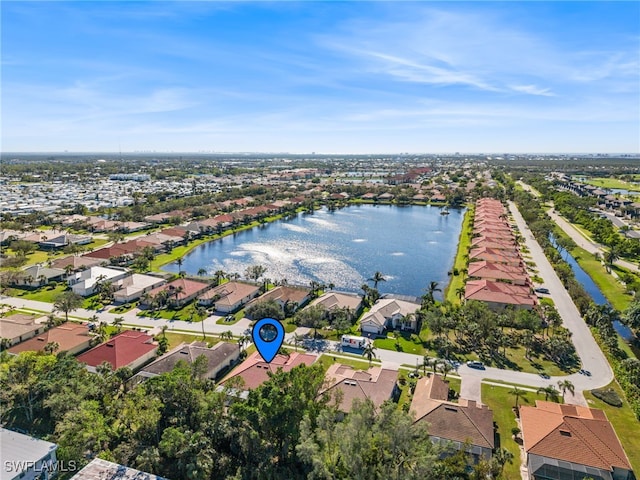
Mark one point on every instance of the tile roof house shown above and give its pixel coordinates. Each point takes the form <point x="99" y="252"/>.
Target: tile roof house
<point x="570" y="441"/>
<point x="38" y="275"/>
<point x="127" y="349"/>
<point x="461" y="422"/>
<point x="181" y="291"/>
<point x="508" y="257"/>
<point x="335" y="300"/>
<point x="25" y="457"/>
<point x="390" y="313"/>
<point x="498" y="271"/>
<point x="229" y="296"/>
<point x="71" y="337"/>
<point x="255" y="371"/>
<point x="19" y="327"/>
<point x="376" y="384"/>
<point x="284" y="295"/>
<point x="499" y="294"/>
<point x="76" y="262"/>
<point x="220" y="357"/>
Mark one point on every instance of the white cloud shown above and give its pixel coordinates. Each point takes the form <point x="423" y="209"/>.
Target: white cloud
<point x="532" y="90"/>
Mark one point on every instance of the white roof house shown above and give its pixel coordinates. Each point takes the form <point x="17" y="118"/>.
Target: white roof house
<point x="389" y="312"/>
<point x="25" y="457"/>
<point x="134" y="286"/>
<point x="83" y="282"/>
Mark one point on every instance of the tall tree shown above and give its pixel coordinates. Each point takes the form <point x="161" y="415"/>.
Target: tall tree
<point x="564" y="386"/>
<point x="67" y="302"/>
<point x="369" y="351"/>
<point x="377" y="278"/>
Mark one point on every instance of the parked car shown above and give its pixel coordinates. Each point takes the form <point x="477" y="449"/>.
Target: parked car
<point x="475" y="364"/>
<point x="542" y="290"/>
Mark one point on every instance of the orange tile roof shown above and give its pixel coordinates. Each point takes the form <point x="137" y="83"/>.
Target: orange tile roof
<point x="255" y="371"/>
<point x="499" y="292"/>
<point x="122" y="350"/>
<point x="573" y="434"/>
<point x="461" y="422"/>
<point x="376" y="384"/>
<point x="68" y="336"/>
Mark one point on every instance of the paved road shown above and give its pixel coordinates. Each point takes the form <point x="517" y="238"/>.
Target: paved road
<point x="584" y="242"/>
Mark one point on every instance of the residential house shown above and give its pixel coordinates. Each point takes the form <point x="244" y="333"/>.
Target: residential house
<point x="346" y="384"/>
<point x="284" y="296"/>
<point x="254" y="371"/>
<point x="38" y="275"/>
<point x="19" y="327"/>
<point x="508" y="257"/>
<point x="390" y="313"/>
<point x="25" y="457"/>
<point x="458" y="424"/>
<point x="75" y="263"/>
<point x="127" y="349"/>
<point x="333" y="301"/>
<point x="84" y="282"/>
<point x="571" y="441"/>
<point x="499" y="294"/>
<point x="134" y="286"/>
<point x="61" y="241"/>
<point x="220" y="358"/>
<point x="181" y="291"/>
<point x="72" y="338"/>
<point x="99" y="469"/>
<point x="498" y="271"/>
<point x="229" y="296"/>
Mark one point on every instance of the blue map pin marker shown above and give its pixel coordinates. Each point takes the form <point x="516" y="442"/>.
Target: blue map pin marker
<point x="268" y="335"/>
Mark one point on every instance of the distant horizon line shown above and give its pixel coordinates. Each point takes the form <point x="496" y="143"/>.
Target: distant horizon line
<point x="172" y="152"/>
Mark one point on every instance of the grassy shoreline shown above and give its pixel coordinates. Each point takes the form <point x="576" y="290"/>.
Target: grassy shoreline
<point x="460" y="263"/>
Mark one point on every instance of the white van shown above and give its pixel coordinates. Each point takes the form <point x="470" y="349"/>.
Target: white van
<point x="354" y="342"/>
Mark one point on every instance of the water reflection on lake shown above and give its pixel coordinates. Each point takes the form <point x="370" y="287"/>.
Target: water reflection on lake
<point x="411" y="245"/>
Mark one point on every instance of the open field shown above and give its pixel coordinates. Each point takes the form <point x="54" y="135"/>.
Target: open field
<point x="612" y="183"/>
<point x="43" y="294"/>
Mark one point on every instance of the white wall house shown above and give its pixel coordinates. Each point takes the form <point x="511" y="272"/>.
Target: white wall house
<point x="84" y="282"/>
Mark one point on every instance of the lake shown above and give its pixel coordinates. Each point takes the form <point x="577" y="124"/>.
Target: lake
<point x="410" y="245"/>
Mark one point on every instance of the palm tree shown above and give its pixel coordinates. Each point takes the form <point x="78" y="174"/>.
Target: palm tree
<point x="377" y="278"/>
<point x="117" y="322"/>
<point x="431" y="289"/>
<point x="297" y="340"/>
<point x="518" y="393"/>
<point x="67" y="302"/>
<point x="565" y="385"/>
<point x="460" y="291"/>
<point x="549" y="391"/>
<point x="242" y="341"/>
<point x="163" y="331"/>
<point x="228" y="335"/>
<point x="51" y="348"/>
<point x="202" y="272"/>
<point x="503" y="456"/>
<point x="446" y="367"/>
<point x="218" y="276"/>
<point x="369" y="352"/>
<point x="611" y="256"/>
<point x="180" y="261"/>
<point x="426" y="361"/>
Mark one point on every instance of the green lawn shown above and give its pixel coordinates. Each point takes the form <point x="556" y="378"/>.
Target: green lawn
<point x="460" y="262"/>
<point x="501" y="402"/>
<point x="624" y="423"/>
<point x="239" y="315"/>
<point x="43" y="294"/>
<point x="176" y="339"/>
<point x="185" y="313"/>
<point x="609" y="286"/>
<point x="326" y="360"/>
<point x="612" y="183"/>
<point x="125" y="307"/>
<point x="403" y="343"/>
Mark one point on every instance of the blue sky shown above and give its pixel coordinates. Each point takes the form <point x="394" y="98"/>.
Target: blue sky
<point x="326" y="77"/>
